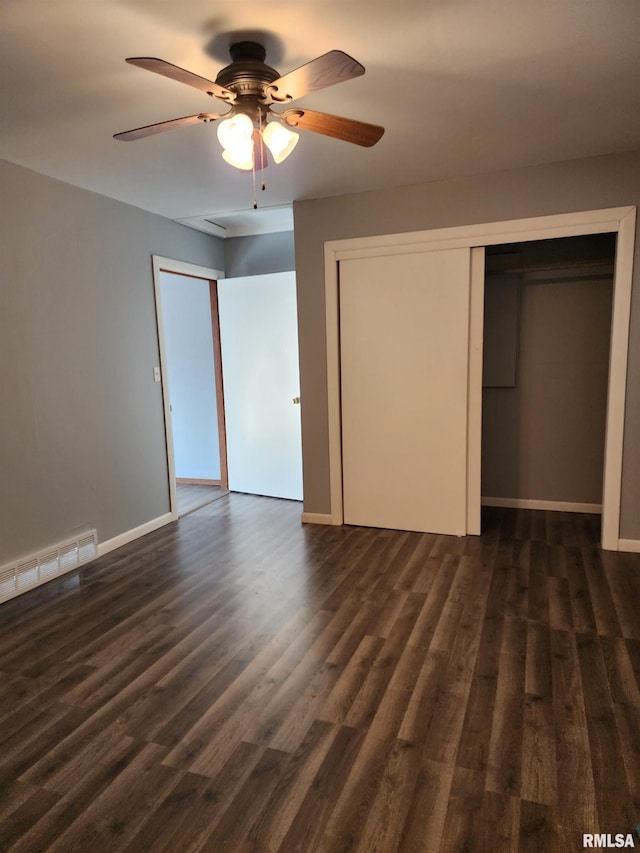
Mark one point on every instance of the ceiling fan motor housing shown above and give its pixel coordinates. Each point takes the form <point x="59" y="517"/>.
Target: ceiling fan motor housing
<point x="247" y="76"/>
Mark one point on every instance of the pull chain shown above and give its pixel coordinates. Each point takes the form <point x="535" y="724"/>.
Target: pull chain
<point x="262" y="163"/>
<point x="253" y="170"/>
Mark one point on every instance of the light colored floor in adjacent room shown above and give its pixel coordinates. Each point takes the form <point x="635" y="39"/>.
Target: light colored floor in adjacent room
<point x="192" y="497"/>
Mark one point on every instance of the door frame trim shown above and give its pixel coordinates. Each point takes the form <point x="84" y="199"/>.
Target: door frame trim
<point x="619" y="220"/>
<point x="170" y="265"/>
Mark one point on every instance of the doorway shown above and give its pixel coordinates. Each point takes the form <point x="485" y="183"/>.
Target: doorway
<point x="547" y="334"/>
<point x="619" y="221"/>
<point x="189" y="336"/>
<point x="255" y="352"/>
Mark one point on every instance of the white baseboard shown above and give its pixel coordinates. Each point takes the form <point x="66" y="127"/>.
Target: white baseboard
<point x="631" y="545"/>
<point x="134" y="533"/>
<point x="553" y="506"/>
<point x="191" y="481"/>
<point x="317" y="518"/>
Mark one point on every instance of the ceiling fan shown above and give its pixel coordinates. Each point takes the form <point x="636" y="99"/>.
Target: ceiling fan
<point x="251" y="87"/>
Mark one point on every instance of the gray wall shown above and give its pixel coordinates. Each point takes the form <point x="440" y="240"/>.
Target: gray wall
<point x="264" y="253"/>
<point x="599" y="182"/>
<point x="81" y="424"/>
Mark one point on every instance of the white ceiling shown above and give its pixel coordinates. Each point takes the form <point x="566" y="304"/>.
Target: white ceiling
<point x="462" y="87"/>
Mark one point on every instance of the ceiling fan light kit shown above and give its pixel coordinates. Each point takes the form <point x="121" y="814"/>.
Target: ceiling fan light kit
<point x="279" y="140"/>
<point x="250" y="87"/>
<point x="237" y="137"/>
<point x="235" y="134"/>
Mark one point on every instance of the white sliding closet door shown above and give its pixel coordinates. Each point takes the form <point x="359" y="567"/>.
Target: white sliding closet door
<point x="404" y="339"/>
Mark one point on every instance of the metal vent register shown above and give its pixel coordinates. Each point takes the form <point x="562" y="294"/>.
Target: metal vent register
<point x="36" y="569"/>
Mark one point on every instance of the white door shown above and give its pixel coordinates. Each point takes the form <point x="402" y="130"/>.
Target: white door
<point x="259" y="340"/>
<point x="404" y="339"/>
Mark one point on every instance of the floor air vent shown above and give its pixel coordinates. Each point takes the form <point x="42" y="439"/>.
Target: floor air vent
<point x="41" y="567"/>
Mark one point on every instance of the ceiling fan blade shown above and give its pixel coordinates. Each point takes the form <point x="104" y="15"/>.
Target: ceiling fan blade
<point x="161" y="126"/>
<point x="346" y="129"/>
<point x="173" y="72"/>
<point x="325" y="70"/>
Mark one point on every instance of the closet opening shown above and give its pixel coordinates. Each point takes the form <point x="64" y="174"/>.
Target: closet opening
<point x="546" y="353"/>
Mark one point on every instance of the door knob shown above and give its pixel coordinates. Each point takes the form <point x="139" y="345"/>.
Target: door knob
<point x="296" y="401"/>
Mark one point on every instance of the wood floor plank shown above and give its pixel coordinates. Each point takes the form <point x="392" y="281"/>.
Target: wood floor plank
<point x="625" y="696"/>
<point x="536" y="830"/>
<point x="16" y="824"/>
<point x="76" y="784"/>
<point x="465" y="803"/>
<point x="538" y="602"/>
<point x="382" y="829"/>
<point x="556" y="556"/>
<point x="42" y="833"/>
<point x="431" y="683"/>
<point x="208" y="803"/>
<point x="475" y="738"/>
<point x="220" y="729"/>
<point x="600" y="595"/>
<point x="517" y="599"/>
<point x="442" y="573"/>
<point x="207" y="658"/>
<point x="285" y="720"/>
<point x="560" y="616"/>
<point x="445" y="730"/>
<point x="37" y="738"/>
<point x="235" y="823"/>
<point x="568" y="696"/>
<point x="505" y="749"/>
<point x="425" y="824"/>
<point x="77" y="756"/>
<point x="381" y="702"/>
<point x="538" y="773"/>
<point x="123" y="670"/>
<point x="583" y="617"/>
<point x="239" y="681"/>
<point x="358" y="792"/>
<point x="538" y="759"/>
<point x="276" y="818"/>
<point x="169" y="817"/>
<point x="413" y="575"/>
<point x="308" y="826"/>
<point x="496" y="824"/>
<point x="553" y="531"/>
<point x="538" y="678"/>
<point x="454" y="604"/>
<point x="609" y="774"/>
<point x="576" y="799"/>
<point x="126" y="801"/>
<point x="343" y="694"/>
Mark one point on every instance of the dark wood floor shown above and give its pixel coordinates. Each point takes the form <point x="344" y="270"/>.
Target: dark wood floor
<point x="238" y="682"/>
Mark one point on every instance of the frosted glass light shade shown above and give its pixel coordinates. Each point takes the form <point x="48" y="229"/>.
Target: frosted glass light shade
<point x="279" y="140"/>
<point x="235" y="131"/>
<point x="241" y="158"/>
